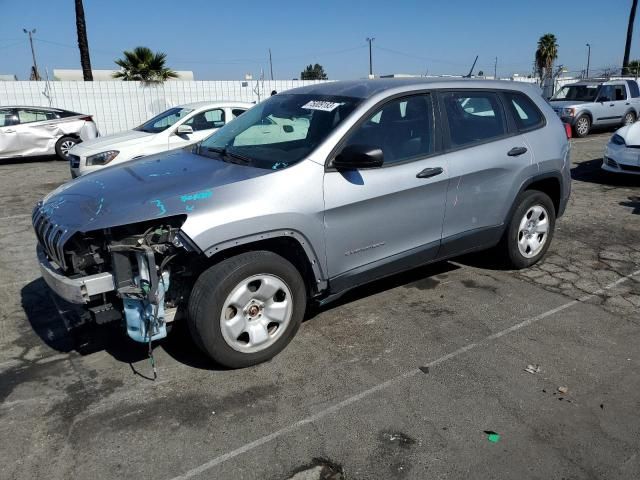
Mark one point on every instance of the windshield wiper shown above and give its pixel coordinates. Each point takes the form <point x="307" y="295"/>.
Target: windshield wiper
<point x="224" y="152"/>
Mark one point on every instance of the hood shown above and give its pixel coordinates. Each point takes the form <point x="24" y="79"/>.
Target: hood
<point x="157" y="186"/>
<point x="115" y="141"/>
<point x="630" y="133"/>
<point x="555" y="104"/>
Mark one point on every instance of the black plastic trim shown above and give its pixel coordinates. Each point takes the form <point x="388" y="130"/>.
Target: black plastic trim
<point x="469" y="241"/>
<point x="384" y="267"/>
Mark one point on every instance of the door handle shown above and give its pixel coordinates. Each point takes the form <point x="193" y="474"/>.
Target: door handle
<point x="517" y="151"/>
<point x="9" y="131"/>
<point x="627" y="103"/>
<point x="430" y="172"/>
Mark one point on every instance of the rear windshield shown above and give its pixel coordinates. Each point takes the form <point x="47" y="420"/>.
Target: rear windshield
<point x="279" y="131"/>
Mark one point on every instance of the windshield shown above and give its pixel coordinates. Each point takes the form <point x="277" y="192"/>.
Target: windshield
<point x="279" y="131"/>
<point x="580" y="93"/>
<point x="164" y="120"/>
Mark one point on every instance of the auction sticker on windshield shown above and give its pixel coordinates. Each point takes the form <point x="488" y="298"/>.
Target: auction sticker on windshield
<point x="321" y="105"/>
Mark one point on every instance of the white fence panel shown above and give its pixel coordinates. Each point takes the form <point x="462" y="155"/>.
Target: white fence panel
<point x="118" y="105"/>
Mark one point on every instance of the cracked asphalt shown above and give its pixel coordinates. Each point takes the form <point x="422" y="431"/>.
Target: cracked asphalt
<point x="347" y="399"/>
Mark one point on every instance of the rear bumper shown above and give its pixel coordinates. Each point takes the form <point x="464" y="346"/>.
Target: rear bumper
<point x="74" y="290"/>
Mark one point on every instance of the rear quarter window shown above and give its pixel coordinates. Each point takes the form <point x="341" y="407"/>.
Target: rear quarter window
<point x="633" y="88"/>
<point x="525" y="113"/>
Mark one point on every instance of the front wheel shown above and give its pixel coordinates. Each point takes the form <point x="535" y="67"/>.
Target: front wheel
<point x="246" y="309"/>
<point x="530" y="229"/>
<point x="582" y="126"/>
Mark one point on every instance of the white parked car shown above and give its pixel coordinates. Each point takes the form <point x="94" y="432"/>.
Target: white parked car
<point x="30" y="131"/>
<point x="177" y="127"/>
<point x="622" y="153"/>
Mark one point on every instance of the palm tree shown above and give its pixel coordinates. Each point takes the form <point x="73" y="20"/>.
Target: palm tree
<point x="627" y="46"/>
<point x="546" y="53"/>
<point x="143" y="65"/>
<point x="83" y="43"/>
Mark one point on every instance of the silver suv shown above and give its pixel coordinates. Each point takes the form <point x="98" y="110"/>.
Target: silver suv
<point x="590" y="103"/>
<point x="305" y="196"/>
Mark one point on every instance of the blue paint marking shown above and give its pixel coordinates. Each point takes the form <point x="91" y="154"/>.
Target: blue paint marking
<point x="100" y="206"/>
<point x="160" y="174"/>
<point x="278" y="165"/>
<point x="161" y="207"/>
<point x="189" y="208"/>
<point x="192" y="197"/>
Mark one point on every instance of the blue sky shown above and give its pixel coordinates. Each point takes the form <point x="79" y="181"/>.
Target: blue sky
<point x="224" y="40"/>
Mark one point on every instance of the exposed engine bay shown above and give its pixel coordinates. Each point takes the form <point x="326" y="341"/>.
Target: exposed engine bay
<point x="149" y="283"/>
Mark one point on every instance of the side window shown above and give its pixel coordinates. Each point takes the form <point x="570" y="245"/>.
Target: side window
<point x="29" y="116"/>
<point x="620" y="92"/>
<point x="473" y="117"/>
<point x="633" y="88"/>
<point x="524" y="111"/>
<point x="605" y="94"/>
<point x="402" y="128"/>
<point x="236" y="112"/>
<point x="8" y="117"/>
<point x="207" y="120"/>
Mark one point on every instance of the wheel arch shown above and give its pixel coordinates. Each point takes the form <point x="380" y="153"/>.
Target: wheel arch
<point x="288" y="243"/>
<point x="549" y="183"/>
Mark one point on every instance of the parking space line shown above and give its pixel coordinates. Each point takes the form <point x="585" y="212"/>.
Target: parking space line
<point x="381" y="386"/>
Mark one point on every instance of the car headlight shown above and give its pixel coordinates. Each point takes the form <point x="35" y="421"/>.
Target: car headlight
<point x="102" y="158"/>
<point x="568" y="112"/>
<point x="617" y="140"/>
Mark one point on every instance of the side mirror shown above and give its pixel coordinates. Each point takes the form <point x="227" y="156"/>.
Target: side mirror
<point x="353" y="157"/>
<point x="184" y="130"/>
<point x="288" y="128"/>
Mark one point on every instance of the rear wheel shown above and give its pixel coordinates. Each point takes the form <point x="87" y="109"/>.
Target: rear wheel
<point x="530" y="229"/>
<point x="582" y="126"/>
<point x="63" y="145"/>
<point x="246" y="309"/>
<point x="629" y="118"/>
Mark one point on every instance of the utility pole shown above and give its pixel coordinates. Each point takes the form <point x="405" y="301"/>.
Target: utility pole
<point x="370" y="40"/>
<point x="588" y="58"/>
<point x="495" y="69"/>
<point x="270" y="64"/>
<point x="33" y="52"/>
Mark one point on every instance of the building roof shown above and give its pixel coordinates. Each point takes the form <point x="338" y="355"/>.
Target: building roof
<point x="106" y="75"/>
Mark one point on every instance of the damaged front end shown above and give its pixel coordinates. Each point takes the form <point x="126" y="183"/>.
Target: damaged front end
<point x="138" y="273"/>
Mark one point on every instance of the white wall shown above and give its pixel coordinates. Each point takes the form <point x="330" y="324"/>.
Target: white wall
<point x="118" y="105"/>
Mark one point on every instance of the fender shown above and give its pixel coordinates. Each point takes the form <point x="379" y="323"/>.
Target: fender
<point x="312" y="257"/>
<point x="530" y="181"/>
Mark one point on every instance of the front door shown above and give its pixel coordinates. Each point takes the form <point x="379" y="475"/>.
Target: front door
<point x="9" y="138"/>
<point x="386" y="219"/>
<point x="203" y="124"/>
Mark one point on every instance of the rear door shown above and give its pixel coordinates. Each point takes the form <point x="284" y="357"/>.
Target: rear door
<point x="38" y="131"/>
<point x="487" y="157"/>
<point x="620" y="101"/>
<point x="9" y="138"/>
<point x="386" y="219"/>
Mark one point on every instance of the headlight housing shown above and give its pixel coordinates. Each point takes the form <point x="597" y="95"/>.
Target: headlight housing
<point x="102" y="158"/>
<point x="568" y="112"/>
<point x="617" y="140"/>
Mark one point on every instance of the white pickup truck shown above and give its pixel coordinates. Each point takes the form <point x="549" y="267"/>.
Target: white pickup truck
<point x="590" y="103"/>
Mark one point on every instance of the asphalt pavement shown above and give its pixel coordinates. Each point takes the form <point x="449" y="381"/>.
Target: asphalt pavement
<point x="422" y="375"/>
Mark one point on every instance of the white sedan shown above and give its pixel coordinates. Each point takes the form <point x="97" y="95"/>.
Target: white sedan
<point x="177" y="127"/>
<point x="622" y="153"/>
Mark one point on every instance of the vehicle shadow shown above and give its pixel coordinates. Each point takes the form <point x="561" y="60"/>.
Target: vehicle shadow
<point x="65" y="328"/>
<point x="634" y="204"/>
<point x="590" y="172"/>
<point x="34" y="159"/>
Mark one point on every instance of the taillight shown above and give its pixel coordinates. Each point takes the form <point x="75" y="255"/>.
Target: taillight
<point x="567" y="130"/>
<point x="88" y="118"/>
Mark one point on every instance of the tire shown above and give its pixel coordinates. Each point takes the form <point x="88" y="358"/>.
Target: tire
<point x="582" y="126"/>
<point x="523" y="244"/>
<point x="629" y="118"/>
<point x="246" y="309"/>
<point x="63" y="145"/>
